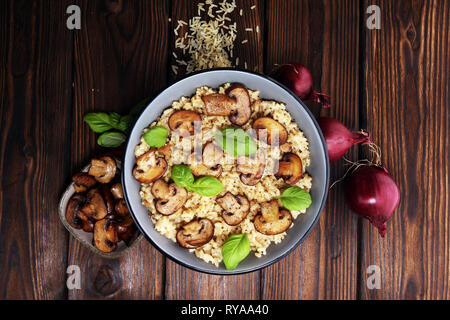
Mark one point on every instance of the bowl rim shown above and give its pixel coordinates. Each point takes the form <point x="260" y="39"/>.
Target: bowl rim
<point x="293" y="247"/>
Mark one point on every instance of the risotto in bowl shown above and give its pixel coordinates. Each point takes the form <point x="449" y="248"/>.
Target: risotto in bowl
<point x="225" y="171"/>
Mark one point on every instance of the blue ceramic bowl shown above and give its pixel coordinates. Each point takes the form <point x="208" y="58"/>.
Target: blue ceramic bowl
<point x="270" y="90"/>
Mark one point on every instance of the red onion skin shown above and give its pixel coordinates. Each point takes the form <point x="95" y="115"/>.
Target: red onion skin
<point x="372" y="193"/>
<point x="338" y="138"/>
<point x="298" y="79"/>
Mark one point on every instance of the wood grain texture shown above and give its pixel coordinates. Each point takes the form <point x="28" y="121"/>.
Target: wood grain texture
<point x="36" y="73"/>
<point x="406" y="105"/>
<point x="324" y="36"/>
<point x="120" y="58"/>
<point x="182" y="283"/>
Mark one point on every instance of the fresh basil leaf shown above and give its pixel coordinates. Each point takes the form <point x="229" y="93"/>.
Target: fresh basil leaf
<point x="111" y="139"/>
<point x="98" y="121"/>
<point x="207" y="186"/>
<point x="156" y="137"/>
<point x="182" y="175"/>
<point x="114" y="119"/>
<point x="236" y="142"/>
<point x="235" y="249"/>
<point x="295" y="199"/>
<point x="124" y="123"/>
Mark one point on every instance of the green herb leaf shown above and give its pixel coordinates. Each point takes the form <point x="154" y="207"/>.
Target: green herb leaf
<point x="124" y="123"/>
<point x="236" y="142"/>
<point x="295" y="199"/>
<point x="182" y="175"/>
<point x="207" y="186"/>
<point x="111" y="139"/>
<point x="235" y="249"/>
<point x="98" y="121"/>
<point x="114" y="119"/>
<point x="156" y="137"/>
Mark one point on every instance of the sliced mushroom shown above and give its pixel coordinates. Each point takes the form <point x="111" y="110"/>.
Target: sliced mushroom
<point x="218" y="104"/>
<point x="241" y="111"/>
<point x="272" y="220"/>
<point x="290" y="168"/>
<point x="149" y="167"/>
<point x="103" y="169"/>
<point x="130" y="235"/>
<point x="105" y="189"/>
<point x="83" y="181"/>
<point x="88" y="225"/>
<point x="121" y="208"/>
<point x="124" y="224"/>
<point x="210" y="161"/>
<point x="195" y="233"/>
<point x="184" y="120"/>
<point x="73" y="207"/>
<point x="165" y="151"/>
<point x="95" y="207"/>
<point x="169" y="198"/>
<point x="105" y="235"/>
<point x="117" y="191"/>
<point x="127" y="230"/>
<point x="235" y="208"/>
<point x="252" y="168"/>
<point x="270" y="131"/>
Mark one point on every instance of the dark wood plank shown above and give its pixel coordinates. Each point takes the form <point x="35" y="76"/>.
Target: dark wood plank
<point x="35" y="82"/>
<point x="406" y="105"/>
<point x="120" y="58"/>
<point x="182" y="283"/>
<point x="324" y="36"/>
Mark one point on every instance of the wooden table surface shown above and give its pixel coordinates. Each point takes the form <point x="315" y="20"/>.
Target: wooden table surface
<point x="393" y="81"/>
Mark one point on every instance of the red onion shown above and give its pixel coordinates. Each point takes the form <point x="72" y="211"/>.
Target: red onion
<point x="297" y="78"/>
<point x="338" y="138"/>
<point x="372" y="193"/>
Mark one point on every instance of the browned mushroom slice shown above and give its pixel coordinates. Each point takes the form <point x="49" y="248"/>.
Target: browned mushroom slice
<point x="127" y="230"/>
<point x="103" y="169"/>
<point x="130" y="235"/>
<point x="290" y="168"/>
<point x="165" y="151"/>
<point x="149" y="168"/>
<point x="124" y="224"/>
<point x="184" y="120"/>
<point x="210" y="161"/>
<point x="241" y="111"/>
<point x="117" y="191"/>
<point x="88" y="225"/>
<point x="195" y="233"/>
<point x="272" y="220"/>
<point x="73" y="207"/>
<point x="218" y="104"/>
<point x="95" y="207"/>
<point x="105" y="235"/>
<point x="108" y="197"/>
<point x="251" y="168"/>
<point x="169" y="198"/>
<point x="270" y="131"/>
<point x="235" y="208"/>
<point x="121" y="208"/>
<point x="83" y="181"/>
